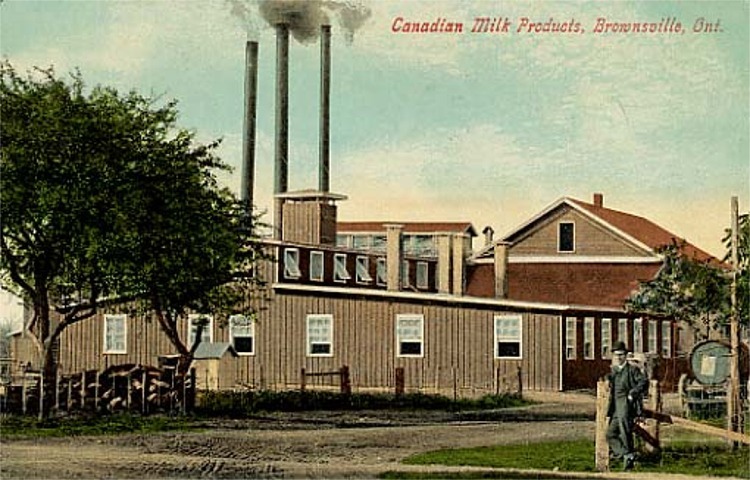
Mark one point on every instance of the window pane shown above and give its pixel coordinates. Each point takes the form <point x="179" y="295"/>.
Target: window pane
<point x="243" y="344"/>
<point x="340" y="273"/>
<point x="588" y="338"/>
<point x="422" y="275"/>
<point x="291" y="263"/>
<point x="411" y="348"/>
<point x="382" y="272"/>
<point x="508" y="349"/>
<point x="508" y="337"/>
<point x="320" y="349"/>
<point x="606" y="337"/>
<point x="566" y="241"/>
<point x="570" y="338"/>
<point x="316" y="266"/>
<point x="363" y="267"/>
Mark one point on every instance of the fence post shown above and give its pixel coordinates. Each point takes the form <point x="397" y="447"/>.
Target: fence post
<point x="143" y="391"/>
<point x="83" y="390"/>
<point x="57" y="391"/>
<point x="399" y="381"/>
<point x="655" y="404"/>
<point x="346" y="385"/>
<point x="69" y="402"/>
<point x="520" y="382"/>
<point x="602" y="448"/>
<point x="97" y="379"/>
<point x="302" y="379"/>
<point x="24" y="394"/>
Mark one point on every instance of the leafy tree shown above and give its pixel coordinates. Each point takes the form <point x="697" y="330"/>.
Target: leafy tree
<point x="743" y="267"/>
<point x="696" y="292"/>
<point x="103" y="197"/>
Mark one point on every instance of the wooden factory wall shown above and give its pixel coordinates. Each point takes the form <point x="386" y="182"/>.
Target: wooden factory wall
<point x="458" y="346"/>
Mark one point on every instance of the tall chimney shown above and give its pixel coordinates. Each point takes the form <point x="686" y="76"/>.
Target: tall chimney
<point x="248" y="131"/>
<point x="282" y="121"/>
<point x="324" y="183"/>
<point x="489" y="233"/>
<point x="599" y="199"/>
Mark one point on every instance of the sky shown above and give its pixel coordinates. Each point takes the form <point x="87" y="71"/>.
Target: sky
<point x="488" y="128"/>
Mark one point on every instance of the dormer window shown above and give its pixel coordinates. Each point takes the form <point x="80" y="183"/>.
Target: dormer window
<point x="566" y="241"/>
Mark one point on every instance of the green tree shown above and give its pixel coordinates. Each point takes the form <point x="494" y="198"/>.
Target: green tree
<point x="104" y="197"/>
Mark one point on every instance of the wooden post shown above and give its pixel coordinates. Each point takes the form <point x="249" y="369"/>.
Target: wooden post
<point x="346" y="385"/>
<point x="302" y="379"/>
<point x="399" y="381"/>
<point x="497" y="381"/>
<point x="143" y="391"/>
<point x="57" y="390"/>
<point x="520" y="382"/>
<point x="83" y="389"/>
<point x="455" y="384"/>
<point x="602" y="448"/>
<point x="69" y="402"/>
<point x="97" y="379"/>
<point x="652" y="425"/>
<point x="24" y="392"/>
<point x="735" y="414"/>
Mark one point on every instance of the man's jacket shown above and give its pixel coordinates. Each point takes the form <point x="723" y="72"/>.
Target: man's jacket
<point x="636" y="384"/>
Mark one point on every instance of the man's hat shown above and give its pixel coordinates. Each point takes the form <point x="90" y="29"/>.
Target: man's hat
<point x="620" y="347"/>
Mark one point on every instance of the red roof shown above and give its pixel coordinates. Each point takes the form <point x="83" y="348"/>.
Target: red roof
<point x="645" y="231"/>
<point x="409" y="227"/>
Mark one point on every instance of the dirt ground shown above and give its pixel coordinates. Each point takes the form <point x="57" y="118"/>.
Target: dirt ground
<point x="309" y="445"/>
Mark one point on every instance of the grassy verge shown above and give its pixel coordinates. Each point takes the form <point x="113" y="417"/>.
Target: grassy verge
<point x="17" y="426"/>
<point x="683" y="458"/>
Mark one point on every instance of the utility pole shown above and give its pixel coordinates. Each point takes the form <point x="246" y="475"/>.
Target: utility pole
<point x="735" y="415"/>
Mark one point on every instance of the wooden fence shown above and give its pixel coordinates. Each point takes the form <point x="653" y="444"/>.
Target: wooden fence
<point x="135" y="388"/>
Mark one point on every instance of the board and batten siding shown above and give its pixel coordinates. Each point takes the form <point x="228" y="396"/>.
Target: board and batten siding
<point x="458" y="346"/>
<point x="591" y="239"/>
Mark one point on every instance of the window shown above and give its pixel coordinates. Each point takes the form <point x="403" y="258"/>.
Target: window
<point x="340" y="274"/>
<point x="570" y="338"/>
<point x="316" y="266"/>
<point x="622" y="330"/>
<point x="666" y="339"/>
<point x="409" y="335"/>
<point x="291" y="263"/>
<point x="588" y="338"/>
<point x="379" y="243"/>
<point x="242" y="334"/>
<point x="363" y="270"/>
<point x="381" y="275"/>
<point x="508" y="336"/>
<point x="343" y="240"/>
<point x="207" y="335"/>
<point x="651" y="334"/>
<point x="405" y="272"/>
<point x="606" y="337"/>
<point x="361" y="242"/>
<point x="423" y="245"/>
<point x="638" y="335"/>
<point x="422" y="275"/>
<point x="566" y="237"/>
<point x="320" y="335"/>
<point x="115" y="334"/>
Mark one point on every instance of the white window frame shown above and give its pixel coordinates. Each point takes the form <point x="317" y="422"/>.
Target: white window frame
<point x="606" y="338"/>
<point x="381" y="271"/>
<point x="651" y="335"/>
<point x="622" y="330"/>
<point x="207" y="330"/>
<point x="108" y="347"/>
<point x="638" y="335"/>
<point x="317" y="262"/>
<point x="571" y="325"/>
<point x="559" y="237"/>
<point x="401" y="338"/>
<point x="313" y="338"/>
<point x="366" y="240"/>
<point x="248" y="333"/>
<point x="666" y="339"/>
<point x="340" y="273"/>
<point x="291" y="263"/>
<point x="503" y="334"/>
<point x="344" y="240"/>
<point x="362" y="267"/>
<point x="423" y="275"/>
<point x="589" y="343"/>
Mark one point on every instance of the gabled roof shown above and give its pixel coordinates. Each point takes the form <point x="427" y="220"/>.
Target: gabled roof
<point x="637" y="230"/>
<point x="409" y="227"/>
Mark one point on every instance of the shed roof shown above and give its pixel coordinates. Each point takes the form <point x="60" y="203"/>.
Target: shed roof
<point x="207" y="350"/>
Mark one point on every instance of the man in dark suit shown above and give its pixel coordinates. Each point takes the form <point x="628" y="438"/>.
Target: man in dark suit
<point x="627" y="385"/>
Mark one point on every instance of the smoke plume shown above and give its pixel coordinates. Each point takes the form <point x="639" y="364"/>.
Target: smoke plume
<point x="304" y="17"/>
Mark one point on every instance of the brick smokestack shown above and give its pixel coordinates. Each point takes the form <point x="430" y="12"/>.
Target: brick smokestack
<point x="282" y="122"/>
<point x="324" y="184"/>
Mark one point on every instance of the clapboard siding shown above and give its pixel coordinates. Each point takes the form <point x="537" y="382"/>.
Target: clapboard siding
<point x="591" y="239"/>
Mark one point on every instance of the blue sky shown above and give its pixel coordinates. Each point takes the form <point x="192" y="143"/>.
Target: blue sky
<point x="482" y="128"/>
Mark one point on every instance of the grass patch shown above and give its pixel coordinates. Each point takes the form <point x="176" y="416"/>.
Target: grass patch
<point x="241" y="404"/>
<point x="682" y="458"/>
<point x="19" y="426"/>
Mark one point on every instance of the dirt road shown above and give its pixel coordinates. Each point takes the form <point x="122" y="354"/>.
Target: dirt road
<point x="320" y="445"/>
